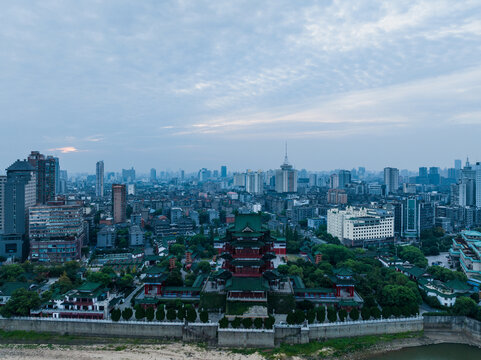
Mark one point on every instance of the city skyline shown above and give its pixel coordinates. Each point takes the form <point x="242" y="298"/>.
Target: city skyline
<point x="201" y="84"/>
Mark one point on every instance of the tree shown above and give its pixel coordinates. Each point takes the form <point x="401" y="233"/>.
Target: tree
<point x="413" y="255"/>
<point x="331" y="314"/>
<point x="300" y="316"/>
<point x="171" y="314"/>
<point x="465" y="306"/>
<point x="204" y="267"/>
<point x="127" y="313"/>
<point x="247" y="323"/>
<point x="204" y="316"/>
<point x="174" y="278"/>
<point x="375" y="312"/>
<point x="160" y="313"/>
<point x="258" y="323"/>
<point x="311" y="316"/>
<point x="181" y="313"/>
<point x="139" y="312"/>
<point x="387" y="312"/>
<point x="236" y="323"/>
<point x="396" y="311"/>
<point x="269" y="322"/>
<point x="365" y="313"/>
<point x="295" y="270"/>
<point x="291" y="318"/>
<point x="224" y="323"/>
<point x="64" y="283"/>
<point x="354" y="314"/>
<point x="115" y="314"/>
<point x="20" y="303"/>
<point x="321" y="314"/>
<point x="11" y="272"/>
<point x="150" y="313"/>
<point x="191" y="314"/>
<point x="342" y="314"/>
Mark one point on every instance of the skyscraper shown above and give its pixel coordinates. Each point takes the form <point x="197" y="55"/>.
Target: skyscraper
<point x="99" y="184"/>
<point x="223" y="171"/>
<point x="391" y="180"/>
<point x="128" y="175"/>
<point x="478" y="184"/>
<point x="286" y="177"/>
<point x="20" y="193"/>
<point x="254" y="182"/>
<point x="47" y="174"/>
<point x="3" y="181"/>
<point x="119" y="203"/>
<point x="153" y="175"/>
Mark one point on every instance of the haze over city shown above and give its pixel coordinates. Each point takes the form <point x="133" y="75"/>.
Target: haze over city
<point x="191" y="84"/>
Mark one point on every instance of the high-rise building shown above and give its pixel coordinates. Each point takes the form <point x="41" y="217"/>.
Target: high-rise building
<point x="3" y="181"/>
<point x="254" y="182"/>
<point x="286" y="177"/>
<point x="344" y="178"/>
<point x="56" y="232"/>
<point x="47" y="174"/>
<point x="223" y="171"/>
<point x="457" y="164"/>
<point x="99" y="177"/>
<point x="434" y="176"/>
<point x="128" y="175"/>
<point x="239" y="179"/>
<point x="119" y="203"/>
<point x="391" y="180"/>
<point x="153" y="175"/>
<point x="20" y="193"/>
<point x="423" y="172"/>
<point x="478" y="184"/>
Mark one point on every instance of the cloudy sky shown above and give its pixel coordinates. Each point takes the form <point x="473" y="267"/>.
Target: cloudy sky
<point x="191" y="84"/>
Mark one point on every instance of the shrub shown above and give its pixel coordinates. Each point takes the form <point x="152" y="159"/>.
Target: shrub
<point x="171" y="314"/>
<point x="342" y="314"/>
<point x="321" y="314"/>
<point x="191" y="314"/>
<point x="247" y="323"/>
<point x="291" y="318"/>
<point x="311" y="316"/>
<point x="115" y="314"/>
<point x="181" y="313"/>
<point x="236" y="323"/>
<point x="365" y="313"/>
<point x="269" y="322"/>
<point x="331" y="314"/>
<point x="354" y="314"/>
<point x="150" y="313"/>
<point x="204" y="316"/>
<point x="386" y="312"/>
<point x="139" y="312"/>
<point x="224" y="323"/>
<point x="160" y="314"/>
<point x="258" y="323"/>
<point x="375" y="312"/>
<point x="396" y="312"/>
<point x="299" y="316"/>
<point x="127" y="313"/>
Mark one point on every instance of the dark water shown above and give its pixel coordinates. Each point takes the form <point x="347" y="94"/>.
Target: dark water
<point x="434" y="352"/>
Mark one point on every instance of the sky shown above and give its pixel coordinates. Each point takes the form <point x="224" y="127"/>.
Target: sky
<point x="191" y="84"/>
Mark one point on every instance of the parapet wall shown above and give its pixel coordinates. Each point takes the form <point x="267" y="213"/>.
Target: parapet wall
<point x="210" y="333"/>
<point x="456" y="324"/>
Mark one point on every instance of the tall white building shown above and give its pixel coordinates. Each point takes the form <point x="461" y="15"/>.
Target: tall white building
<point x="286" y="177"/>
<point x="478" y="184"/>
<point x="99" y="185"/>
<point x="239" y="179"/>
<point x="254" y="182"/>
<point x="360" y="226"/>
<point x="391" y="180"/>
<point x="3" y="181"/>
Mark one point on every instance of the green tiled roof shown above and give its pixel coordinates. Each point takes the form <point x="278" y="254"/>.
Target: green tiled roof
<point x="298" y="283"/>
<point x="316" y="290"/>
<point x="458" y="285"/>
<point x="89" y="286"/>
<point x="155" y="270"/>
<point x="343" y="272"/>
<point x="252" y="221"/>
<point x="8" y="288"/>
<point x="247" y="284"/>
